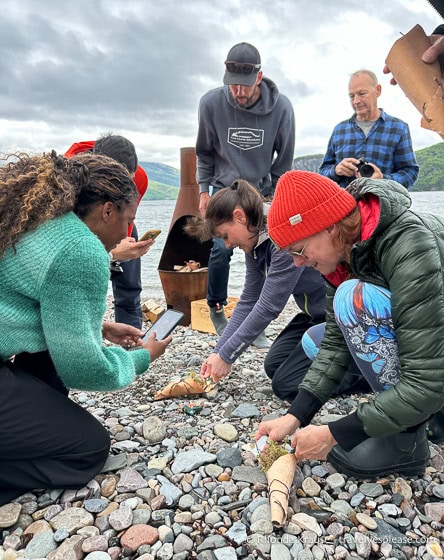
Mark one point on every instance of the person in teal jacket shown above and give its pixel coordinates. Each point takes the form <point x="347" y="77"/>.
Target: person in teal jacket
<point x="385" y="308"/>
<point x="59" y="219"/>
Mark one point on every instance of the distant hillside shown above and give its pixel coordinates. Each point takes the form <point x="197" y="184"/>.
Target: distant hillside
<point x="165" y="180"/>
<point x="160" y="191"/>
<point x="308" y="163"/>
<point x="431" y="168"/>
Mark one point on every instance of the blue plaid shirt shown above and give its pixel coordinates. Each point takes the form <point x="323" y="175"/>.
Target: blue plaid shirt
<point x="388" y="145"/>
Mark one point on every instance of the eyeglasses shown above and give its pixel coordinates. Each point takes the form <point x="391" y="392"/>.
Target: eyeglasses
<point x="241" y="67"/>
<point x="299" y="253"/>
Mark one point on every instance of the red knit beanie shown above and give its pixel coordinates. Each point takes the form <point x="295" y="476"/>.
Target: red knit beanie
<point x="304" y="204"/>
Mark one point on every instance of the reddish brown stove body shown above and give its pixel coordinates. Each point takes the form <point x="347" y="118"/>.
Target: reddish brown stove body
<point x="181" y="288"/>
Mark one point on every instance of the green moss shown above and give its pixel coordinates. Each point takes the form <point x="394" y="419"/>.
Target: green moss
<point x="269" y="455"/>
<point x="196" y="377"/>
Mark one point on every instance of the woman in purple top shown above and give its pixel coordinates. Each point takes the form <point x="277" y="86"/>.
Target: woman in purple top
<point x="237" y="215"/>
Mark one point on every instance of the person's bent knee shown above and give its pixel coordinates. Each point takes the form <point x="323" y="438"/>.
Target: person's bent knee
<point x="270" y="364"/>
<point x="87" y="461"/>
<point x="99" y="451"/>
<point x="277" y="387"/>
<point x="311" y="340"/>
<point x="88" y="457"/>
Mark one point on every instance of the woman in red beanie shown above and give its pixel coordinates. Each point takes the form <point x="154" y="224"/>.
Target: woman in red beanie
<point x="382" y="264"/>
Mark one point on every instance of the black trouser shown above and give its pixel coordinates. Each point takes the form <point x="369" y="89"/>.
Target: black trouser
<point x="218" y="273"/>
<point x="286" y="363"/>
<point x="46" y="440"/>
<point x="127" y="287"/>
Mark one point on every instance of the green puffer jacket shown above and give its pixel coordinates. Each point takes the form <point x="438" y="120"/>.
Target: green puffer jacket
<point x="405" y="254"/>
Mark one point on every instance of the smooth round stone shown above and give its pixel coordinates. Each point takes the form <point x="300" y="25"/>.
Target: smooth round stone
<point x="60" y="535"/>
<point x="366" y="520"/>
<point x="279" y="552"/>
<point x="212" y="518"/>
<point x="335" y="480"/>
<point x="183" y="517"/>
<point x="400" y="486"/>
<point x="245" y="494"/>
<point x="335" y="529"/>
<point x="311" y="487"/>
<point x="97" y="555"/>
<point x="166" y="534"/>
<point x="186" y="501"/>
<point x="40" y="545"/>
<point x="403" y="523"/>
<point x="262" y="526"/>
<point x="319" y="470"/>
<point x="213" y="470"/>
<point x="341" y="506"/>
<point x="371" y="489"/>
<point x="438" y="491"/>
<point x="9" y="513"/>
<point x="307" y="523"/>
<point x="227" y="432"/>
<point x="95" y="505"/>
<point x="262" y="511"/>
<point x="141" y="516"/>
<point x="224" y="500"/>
<point x="182" y="544"/>
<point x="72" y="519"/>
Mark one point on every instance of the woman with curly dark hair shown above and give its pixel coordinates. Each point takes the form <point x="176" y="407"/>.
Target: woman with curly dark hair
<point x="59" y="218"/>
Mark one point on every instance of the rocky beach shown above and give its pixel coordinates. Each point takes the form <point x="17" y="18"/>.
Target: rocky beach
<point x="182" y="482"/>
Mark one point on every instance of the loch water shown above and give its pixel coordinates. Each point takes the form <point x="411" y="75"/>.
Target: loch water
<point x="157" y="214"/>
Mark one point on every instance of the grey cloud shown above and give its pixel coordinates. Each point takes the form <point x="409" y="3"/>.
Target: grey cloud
<point x="139" y="65"/>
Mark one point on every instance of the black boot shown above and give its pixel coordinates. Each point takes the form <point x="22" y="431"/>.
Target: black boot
<point x="435" y="428"/>
<point x="218" y="318"/>
<point x="405" y="453"/>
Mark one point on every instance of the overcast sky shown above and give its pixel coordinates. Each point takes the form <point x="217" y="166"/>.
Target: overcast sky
<point x="70" y="71"/>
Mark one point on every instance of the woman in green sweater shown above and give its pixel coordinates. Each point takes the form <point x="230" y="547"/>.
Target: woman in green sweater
<point x="59" y="218"/>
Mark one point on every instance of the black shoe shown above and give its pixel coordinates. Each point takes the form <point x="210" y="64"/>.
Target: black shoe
<point x="435" y="428"/>
<point x="406" y="453"/>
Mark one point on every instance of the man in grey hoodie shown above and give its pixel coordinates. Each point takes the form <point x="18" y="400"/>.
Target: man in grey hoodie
<point x="246" y="130"/>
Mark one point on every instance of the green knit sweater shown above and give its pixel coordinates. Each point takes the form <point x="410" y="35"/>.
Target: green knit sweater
<point x="53" y="297"/>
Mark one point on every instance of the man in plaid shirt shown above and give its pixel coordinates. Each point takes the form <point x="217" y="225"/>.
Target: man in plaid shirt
<point x="369" y="136"/>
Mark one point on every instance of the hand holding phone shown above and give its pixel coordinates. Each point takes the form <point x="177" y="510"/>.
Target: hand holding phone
<point x="150" y="234"/>
<point x="156" y="347"/>
<point x="165" y="324"/>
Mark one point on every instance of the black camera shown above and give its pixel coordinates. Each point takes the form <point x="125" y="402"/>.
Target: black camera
<point x="364" y="168"/>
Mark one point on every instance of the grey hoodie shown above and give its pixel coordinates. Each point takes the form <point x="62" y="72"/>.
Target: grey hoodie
<point x="256" y="144"/>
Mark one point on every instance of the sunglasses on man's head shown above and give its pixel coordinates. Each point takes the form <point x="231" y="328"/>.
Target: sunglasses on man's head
<point x="241" y="67"/>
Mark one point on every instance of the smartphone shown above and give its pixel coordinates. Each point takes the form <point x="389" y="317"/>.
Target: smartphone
<point x="150" y="234"/>
<point x="165" y="324"/>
